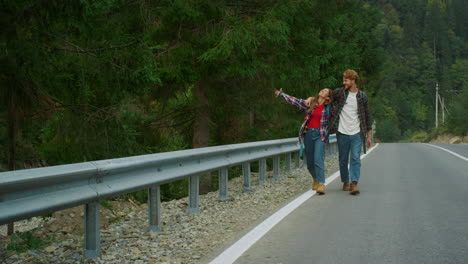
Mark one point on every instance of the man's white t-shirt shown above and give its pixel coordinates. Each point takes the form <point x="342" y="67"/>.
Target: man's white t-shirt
<point x="349" y="118"/>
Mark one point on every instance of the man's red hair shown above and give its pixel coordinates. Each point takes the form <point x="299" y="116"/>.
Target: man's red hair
<point x="351" y="74"/>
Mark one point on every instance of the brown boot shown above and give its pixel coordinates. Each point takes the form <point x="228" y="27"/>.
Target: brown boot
<point x="354" y="189"/>
<point x="321" y="189"/>
<point x="346" y="187"/>
<point x="315" y="184"/>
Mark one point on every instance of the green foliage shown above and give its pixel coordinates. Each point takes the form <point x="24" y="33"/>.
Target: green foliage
<point x="388" y="127"/>
<point x="139" y="196"/>
<point x="419" y="137"/>
<point x="459" y="73"/>
<point x="388" y="131"/>
<point x="421" y="49"/>
<point x="98" y="7"/>
<point x="24" y="241"/>
<point x="169" y="191"/>
<point x="458" y="119"/>
<point x="107" y="205"/>
<point x="435" y="132"/>
<point x="174" y="190"/>
<point x="117" y="75"/>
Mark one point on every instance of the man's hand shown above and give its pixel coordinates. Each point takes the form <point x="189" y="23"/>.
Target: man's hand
<point x="308" y="101"/>
<point x="278" y="92"/>
<point x="369" y="142"/>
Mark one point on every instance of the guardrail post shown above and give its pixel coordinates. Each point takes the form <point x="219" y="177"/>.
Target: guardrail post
<point x="154" y="208"/>
<point x="92" y="231"/>
<point x="297" y="160"/>
<point x="194" y="186"/>
<point x="247" y="178"/>
<point x="10" y="228"/>
<point x="262" y="171"/>
<point x="223" y="183"/>
<point x="288" y="162"/>
<point x="276" y="167"/>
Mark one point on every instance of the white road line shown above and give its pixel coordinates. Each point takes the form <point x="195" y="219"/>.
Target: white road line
<point x="232" y="253"/>
<point x="451" y="152"/>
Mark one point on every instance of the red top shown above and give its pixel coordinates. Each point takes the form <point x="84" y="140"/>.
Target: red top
<point x="314" y="121"/>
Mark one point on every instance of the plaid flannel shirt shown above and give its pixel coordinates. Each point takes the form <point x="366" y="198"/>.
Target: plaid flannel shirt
<point x="339" y="99"/>
<point x="301" y="105"/>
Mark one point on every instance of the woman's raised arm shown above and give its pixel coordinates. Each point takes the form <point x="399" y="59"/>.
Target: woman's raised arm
<point x="297" y="102"/>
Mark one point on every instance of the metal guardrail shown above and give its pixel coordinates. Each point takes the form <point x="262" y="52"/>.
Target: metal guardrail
<point x="35" y="192"/>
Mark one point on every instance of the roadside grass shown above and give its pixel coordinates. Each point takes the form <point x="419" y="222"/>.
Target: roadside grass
<point x="23" y="241"/>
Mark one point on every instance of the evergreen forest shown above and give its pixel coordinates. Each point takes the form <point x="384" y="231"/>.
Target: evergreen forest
<point x="85" y="80"/>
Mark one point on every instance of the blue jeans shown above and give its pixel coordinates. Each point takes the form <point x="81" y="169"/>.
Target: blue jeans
<point x="349" y="144"/>
<point x="315" y="154"/>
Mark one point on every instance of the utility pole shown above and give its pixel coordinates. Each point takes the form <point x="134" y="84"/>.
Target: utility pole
<point x="436" y="105"/>
<point x="443" y="110"/>
<point x="442" y="106"/>
<point x="437" y="85"/>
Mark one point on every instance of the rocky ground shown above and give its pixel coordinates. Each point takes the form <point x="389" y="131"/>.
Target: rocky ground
<point x="184" y="238"/>
<point x="450" y="139"/>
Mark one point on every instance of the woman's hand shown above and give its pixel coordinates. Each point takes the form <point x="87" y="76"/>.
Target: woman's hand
<point x="308" y="101"/>
<point x="278" y="92"/>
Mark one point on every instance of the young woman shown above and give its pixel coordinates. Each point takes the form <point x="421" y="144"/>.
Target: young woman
<point x="313" y="133"/>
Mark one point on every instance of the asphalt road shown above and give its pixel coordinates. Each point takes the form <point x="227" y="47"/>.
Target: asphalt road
<point x="413" y="208"/>
<point x="460" y="149"/>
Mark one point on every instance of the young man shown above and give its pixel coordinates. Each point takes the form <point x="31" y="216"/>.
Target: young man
<point x="351" y="122"/>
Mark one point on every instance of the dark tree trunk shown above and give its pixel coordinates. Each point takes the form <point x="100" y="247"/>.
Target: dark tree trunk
<point x="11" y="141"/>
<point x="251" y="119"/>
<point x="201" y="130"/>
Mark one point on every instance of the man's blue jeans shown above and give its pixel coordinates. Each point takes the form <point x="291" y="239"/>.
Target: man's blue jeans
<point x="349" y="144"/>
<point x="315" y="154"/>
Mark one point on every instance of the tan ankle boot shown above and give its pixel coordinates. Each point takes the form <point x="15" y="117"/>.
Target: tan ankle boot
<point x="315" y="184"/>
<point x="321" y="189"/>
<point x="346" y="186"/>
<point x="354" y="189"/>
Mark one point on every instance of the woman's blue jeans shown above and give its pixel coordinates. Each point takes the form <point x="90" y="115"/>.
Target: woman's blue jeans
<point x="315" y="154"/>
<point x="349" y="144"/>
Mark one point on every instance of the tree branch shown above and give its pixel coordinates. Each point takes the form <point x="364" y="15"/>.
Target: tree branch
<point x="80" y="50"/>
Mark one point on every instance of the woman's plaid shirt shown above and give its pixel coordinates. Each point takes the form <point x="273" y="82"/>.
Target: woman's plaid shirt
<point x="339" y="99"/>
<point x="301" y="105"/>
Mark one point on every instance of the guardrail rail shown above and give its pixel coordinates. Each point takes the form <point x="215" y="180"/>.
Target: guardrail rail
<point x="35" y="192"/>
